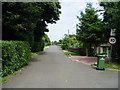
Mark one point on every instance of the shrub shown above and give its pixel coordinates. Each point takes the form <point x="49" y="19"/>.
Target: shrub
<point x="15" y="54"/>
<point x="39" y="46"/>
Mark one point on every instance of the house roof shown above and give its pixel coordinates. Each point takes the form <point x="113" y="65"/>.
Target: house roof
<point x="105" y="45"/>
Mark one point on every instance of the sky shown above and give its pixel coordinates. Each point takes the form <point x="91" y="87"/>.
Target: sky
<point x="70" y="9"/>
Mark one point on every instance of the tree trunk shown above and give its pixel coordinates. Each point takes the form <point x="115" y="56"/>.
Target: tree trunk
<point x="86" y="51"/>
<point x="95" y="49"/>
<point x="90" y="50"/>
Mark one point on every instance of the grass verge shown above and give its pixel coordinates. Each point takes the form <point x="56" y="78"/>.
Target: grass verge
<point x="111" y="65"/>
<point x="46" y="48"/>
<point x="7" y="78"/>
<point x="34" y="54"/>
<point x="71" y="54"/>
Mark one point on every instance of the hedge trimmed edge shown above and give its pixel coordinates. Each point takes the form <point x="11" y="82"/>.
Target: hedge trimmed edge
<point x="15" y="55"/>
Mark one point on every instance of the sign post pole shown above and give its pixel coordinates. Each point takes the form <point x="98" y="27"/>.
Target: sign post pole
<point x="112" y="41"/>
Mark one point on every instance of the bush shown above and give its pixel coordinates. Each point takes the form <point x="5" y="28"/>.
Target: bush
<point x="15" y="54"/>
<point x="64" y="47"/>
<point x="39" y="46"/>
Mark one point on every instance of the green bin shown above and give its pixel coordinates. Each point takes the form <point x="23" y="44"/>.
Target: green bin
<point x="101" y="62"/>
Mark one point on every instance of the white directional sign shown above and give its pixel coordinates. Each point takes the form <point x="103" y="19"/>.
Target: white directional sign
<point x="112" y="33"/>
<point x="112" y="40"/>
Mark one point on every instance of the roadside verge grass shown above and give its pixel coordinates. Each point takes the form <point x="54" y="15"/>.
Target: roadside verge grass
<point x="7" y="78"/>
<point x="71" y="54"/>
<point x="34" y="54"/>
<point x="112" y="65"/>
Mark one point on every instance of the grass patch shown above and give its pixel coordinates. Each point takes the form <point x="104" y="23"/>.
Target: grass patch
<point x="46" y="47"/>
<point x="7" y="78"/>
<point x="112" y="65"/>
<point x="34" y="54"/>
<point x="72" y="53"/>
<point x="3" y="80"/>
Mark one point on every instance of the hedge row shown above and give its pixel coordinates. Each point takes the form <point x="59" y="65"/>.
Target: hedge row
<point x="15" y="54"/>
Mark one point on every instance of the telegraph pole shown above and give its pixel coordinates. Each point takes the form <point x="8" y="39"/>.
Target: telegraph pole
<point x="68" y="32"/>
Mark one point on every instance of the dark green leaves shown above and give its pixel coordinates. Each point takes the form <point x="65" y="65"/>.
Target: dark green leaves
<point x="15" y="54"/>
<point x="27" y="21"/>
<point x="89" y="30"/>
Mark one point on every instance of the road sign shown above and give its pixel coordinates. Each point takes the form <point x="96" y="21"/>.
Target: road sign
<point x="112" y="33"/>
<point x="112" y="40"/>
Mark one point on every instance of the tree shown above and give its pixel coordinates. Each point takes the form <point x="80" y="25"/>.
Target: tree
<point x="60" y="41"/>
<point x="70" y="42"/>
<point x="28" y="20"/>
<point x="54" y="42"/>
<point x="47" y="40"/>
<point x="111" y="21"/>
<point x="89" y="30"/>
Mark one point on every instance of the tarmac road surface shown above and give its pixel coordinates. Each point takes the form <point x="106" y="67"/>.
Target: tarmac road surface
<point x="55" y="70"/>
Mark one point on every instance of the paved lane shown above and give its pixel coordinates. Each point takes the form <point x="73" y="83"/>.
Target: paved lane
<point x="55" y="70"/>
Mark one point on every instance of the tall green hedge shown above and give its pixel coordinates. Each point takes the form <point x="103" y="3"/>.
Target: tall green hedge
<point x="15" y="54"/>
